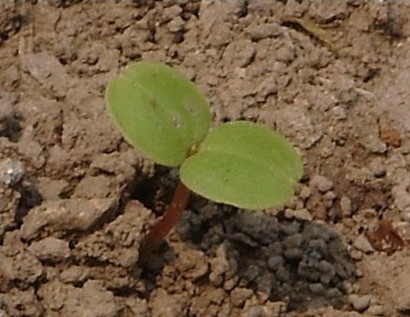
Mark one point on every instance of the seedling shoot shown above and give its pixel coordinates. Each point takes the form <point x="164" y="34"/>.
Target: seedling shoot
<point x="163" y="114"/>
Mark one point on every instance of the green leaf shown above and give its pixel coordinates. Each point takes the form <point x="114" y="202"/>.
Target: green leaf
<point x="243" y="164"/>
<point x="159" y="111"/>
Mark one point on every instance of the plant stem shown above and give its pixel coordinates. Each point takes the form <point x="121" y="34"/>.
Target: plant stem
<point x="170" y="218"/>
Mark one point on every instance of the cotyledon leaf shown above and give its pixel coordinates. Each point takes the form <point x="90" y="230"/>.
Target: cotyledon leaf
<point x="243" y="164"/>
<point x="158" y="110"/>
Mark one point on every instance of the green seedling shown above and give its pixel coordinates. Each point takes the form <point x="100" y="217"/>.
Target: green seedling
<point x="244" y="164"/>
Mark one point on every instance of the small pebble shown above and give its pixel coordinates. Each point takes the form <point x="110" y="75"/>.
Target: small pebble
<point x="305" y="193"/>
<point x="231" y="283"/>
<point x="3" y="313"/>
<point x="347" y="287"/>
<point x="294" y="253"/>
<point x="346" y="206"/>
<point x="255" y="311"/>
<point x="373" y="144"/>
<point x="325" y="266"/>
<point x="11" y="172"/>
<point x="293" y="241"/>
<point x="329" y="196"/>
<point x="300" y="214"/>
<point x="375" y="310"/>
<point x="377" y="168"/>
<point x="405" y="215"/>
<point x="319" y="245"/>
<point x="321" y="183"/>
<point x="291" y="228"/>
<point x="356" y="255"/>
<point x="333" y="293"/>
<point x="339" y="113"/>
<point x="360" y="303"/>
<point x="316" y="288"/>
<point x="274" y="262"/>
<point x="368" y="213"/>
<point x="362" y="244"/>
<point x="239" y="295"/>
<point x="343" y="271"/>
<point x="401" y="197"/>
<point x="282" y="274"/>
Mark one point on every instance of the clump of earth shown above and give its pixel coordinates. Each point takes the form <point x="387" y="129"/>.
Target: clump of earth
<point x="76" y="199"/>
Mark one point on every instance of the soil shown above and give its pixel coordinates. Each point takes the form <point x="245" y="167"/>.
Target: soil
<point x="76" y="199"/>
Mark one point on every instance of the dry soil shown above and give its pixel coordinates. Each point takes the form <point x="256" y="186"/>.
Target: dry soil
<point x="76" y="199"/>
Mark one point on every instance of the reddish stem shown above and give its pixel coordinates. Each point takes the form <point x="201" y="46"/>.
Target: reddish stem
<point x="170" y="218"/>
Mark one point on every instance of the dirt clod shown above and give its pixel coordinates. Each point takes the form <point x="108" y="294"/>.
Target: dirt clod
<point x="63" y="216"/>
<point x="67" y="300"/>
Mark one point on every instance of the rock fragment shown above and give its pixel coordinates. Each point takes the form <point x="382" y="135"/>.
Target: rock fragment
<point x="360" y="303"/>
<point x="362" y="244"/>
<point x="346" y="206"/>
<point x="11" y="171"/>
<point x="376" y="310"/>
<point x="300" y="214"/>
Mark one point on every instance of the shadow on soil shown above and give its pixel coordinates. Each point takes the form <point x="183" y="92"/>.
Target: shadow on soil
<point x="302" y="263"/>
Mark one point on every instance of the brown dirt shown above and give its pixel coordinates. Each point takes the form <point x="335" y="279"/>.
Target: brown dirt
<point x="75" y="199"/>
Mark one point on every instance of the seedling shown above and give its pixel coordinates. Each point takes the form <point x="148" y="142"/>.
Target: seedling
<point x="244" y="164"/>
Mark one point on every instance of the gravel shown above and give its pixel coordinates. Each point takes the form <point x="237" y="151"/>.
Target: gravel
<point x="219" y="266"/>
<point x="377" y="167"/>
<point x="11" y="171"/>
<point x="360" y="303"/>
<point x="346" y="206"/>
<point x="301" y="214"/>
<point x="362" y="244"/>
<point x="376" y="310"/>
<point x="401" y="196"/>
